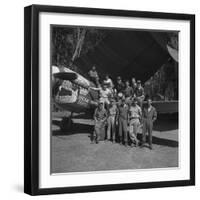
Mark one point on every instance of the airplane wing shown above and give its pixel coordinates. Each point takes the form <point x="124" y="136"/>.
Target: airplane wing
<point x="164" y="107"/>
<point x="128" y="53"/>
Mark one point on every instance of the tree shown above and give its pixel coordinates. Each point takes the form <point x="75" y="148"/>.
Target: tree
<point x="68" y="43"/>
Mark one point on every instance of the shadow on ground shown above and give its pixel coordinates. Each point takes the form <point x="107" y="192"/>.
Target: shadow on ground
<point x="161" y="141"/>
<point x="88" y="129"/>
<point x="75" y="129"/>
<point x="166" y="122"/>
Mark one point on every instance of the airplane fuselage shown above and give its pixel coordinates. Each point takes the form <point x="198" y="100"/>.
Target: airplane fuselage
<point x="73" y="94"/>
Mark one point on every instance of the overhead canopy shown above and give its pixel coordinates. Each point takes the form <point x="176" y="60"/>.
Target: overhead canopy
<point x="127" y="53"/>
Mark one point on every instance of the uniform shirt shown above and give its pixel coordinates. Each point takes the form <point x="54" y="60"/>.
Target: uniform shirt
<point x="123" y="111"/>
<point x="120" y="87"/>
<point x="100" y="114"/>
<point x="109" y="82"/>
<point x="93" y="74"/>
<point x="134" y="87"/>
<point x="150" y="113"/>
<point x="113" y="110"/>
<point x="135" y="112"/>
<point x="128" y="91"/>
<point x="139" y="91"/>
<point x="105" y="93"/>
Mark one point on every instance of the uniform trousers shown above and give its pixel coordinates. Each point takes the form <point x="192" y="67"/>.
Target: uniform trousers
<point x="111" y="128"/>
<point x="99" y="130"/>
<point x="133" y="129"/>
<point x="147" y="128"/>
<point x="123" y="129"/>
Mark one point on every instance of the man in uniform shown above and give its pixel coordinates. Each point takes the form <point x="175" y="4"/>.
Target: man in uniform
<point x="94" y="77"/>
<point x="133" y="85"/>
<point x="112" y="113"/>
<point x="149" y="117"/>
<point x="120" y="85"/>
<point x="135" y="114"/>
<point x="104" y="94"/>
<point x="100" y="117"/>
<point x="122" y="121"/>
<point x="108" y="81"/>
<point x="128" y="91"/>
<point x="140" y="93"/>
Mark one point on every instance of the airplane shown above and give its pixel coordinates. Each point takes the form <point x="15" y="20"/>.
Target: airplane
<point x="71" y="92"/>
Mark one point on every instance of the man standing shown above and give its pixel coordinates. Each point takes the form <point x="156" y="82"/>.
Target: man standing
<point x="112" y="113"/>
<point x="140" y="93"/>
<point x="135" y="114"/>
<point x="123" y="120"/>
<point x="100" y="117"/>
<point x="149" y="116"/>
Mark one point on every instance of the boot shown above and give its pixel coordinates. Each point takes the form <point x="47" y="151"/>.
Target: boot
<point x="120" y="141"/>
<point x="125" y="144"/>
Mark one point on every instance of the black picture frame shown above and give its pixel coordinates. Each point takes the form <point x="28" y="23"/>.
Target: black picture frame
<point x="31" y="98"/>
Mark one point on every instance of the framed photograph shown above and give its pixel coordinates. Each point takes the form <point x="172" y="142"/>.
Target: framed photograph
<point x="109" y="99"/>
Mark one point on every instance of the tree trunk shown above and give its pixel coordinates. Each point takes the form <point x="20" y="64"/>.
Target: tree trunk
<point x="79" y="44"/>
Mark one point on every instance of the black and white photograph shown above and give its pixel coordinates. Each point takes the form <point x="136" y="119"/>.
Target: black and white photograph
<point x="109" y="100"/>
<point x="114" y="99"/>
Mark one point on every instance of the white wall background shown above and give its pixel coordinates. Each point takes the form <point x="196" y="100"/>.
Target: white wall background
<point x="11" y="100"/>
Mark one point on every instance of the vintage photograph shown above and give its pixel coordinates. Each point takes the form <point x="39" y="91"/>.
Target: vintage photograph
<point x="114" y="99"/>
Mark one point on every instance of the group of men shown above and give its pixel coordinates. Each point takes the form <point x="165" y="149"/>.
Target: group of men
<point x="120" y="112"/>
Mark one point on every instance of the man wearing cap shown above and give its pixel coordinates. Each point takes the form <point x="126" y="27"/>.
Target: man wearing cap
<point x="128" y="92"/>
<point x="140" y="93"/>
<point x="149" y="117"/>
<point x="104" y="94"/>
<point x="100" y="117"/>
<point x="133" y="85"/>
<point x="123" y="121"/>
<point x="94" y="77"/>
<point x="108" y="81"/>
<point x="134" y="117"/>
<point x="120" y="85"/>
<point x="112" y="113"/>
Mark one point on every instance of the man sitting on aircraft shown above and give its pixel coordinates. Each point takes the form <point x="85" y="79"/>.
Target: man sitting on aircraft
<point x="140" y="93"/>
<point x="120" y="85"/>
<point x="100" y="117"/>
<point x="94" y="77"/>
<point x="104" y="94"/>
<point x="108" y="81"/>
<point x="133" y="85"/>
<point x="128" y="92"/>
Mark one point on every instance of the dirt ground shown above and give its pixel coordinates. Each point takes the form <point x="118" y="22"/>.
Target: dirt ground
<point x="73" y="152"/>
